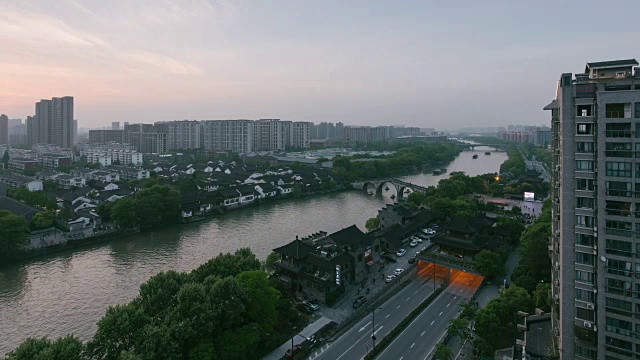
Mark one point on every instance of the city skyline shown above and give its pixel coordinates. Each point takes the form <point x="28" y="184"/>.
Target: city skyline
<point x="370" y="63"/>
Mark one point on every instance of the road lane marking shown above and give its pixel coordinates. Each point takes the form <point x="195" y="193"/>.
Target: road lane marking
<point x="422" y="333"/>
<point x="411" y="345"/>
<point x="461" y="290"/>
<point x="440" y="313"/>
<point x="387" y="316"/>
<point x="354" y="344"/>
<point x="364" y="326"/>
<point x="448" y="305"/>
<point x="375" y="332"/>
<point x="416" y="292"/>
<point x="408" y="298"/>
<point x="432" y="322"/>
<point x="398" y="307"/>
<point x="455" y="297"/>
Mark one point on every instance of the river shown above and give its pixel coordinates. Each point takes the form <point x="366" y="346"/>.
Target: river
<point x="68" y="292"/>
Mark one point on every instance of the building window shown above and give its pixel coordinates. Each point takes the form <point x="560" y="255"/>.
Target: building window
<point x="584" y="129"/>
<point x="619" y="346"/>
<point x="617" y="111"/>
<point x="618" y="188"/>
<point x="584" y="276"/>
<point x="584" y="147"/>
<point x="584" y="221"/>
<point x="584" y="240"/>
<point x="617" y="306"/>
<point x="584" y="165"/>
<point x="584" y="202"/>
<point x="585" y="295"/>
<point x="618" y="169"/>
<point x="584" y="258"/>
<point x="618" y="326"/>
<point x="618" y="150"/>
<point x="619" y="267"/>
<point x="619" y="247"/>
<point x="584" y="314"/>
<point x="618" y="130"/>
<point x="584" y="110"/>
<point x="618" y="208"/>
<point x="586" y="353"/>
<point x="619" y="228"/>
<point x="637" y="108"/>
<point x="584" y="184"/>
<point x="618" y="287"/>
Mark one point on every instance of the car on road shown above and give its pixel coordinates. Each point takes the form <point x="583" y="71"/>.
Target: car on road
<point x="413" y="243"/>
<point x="415" y="238"/>
<point x="311" y="305"/>
<point x="412" y="259"/>
<point x="389" y="278"/>
<point x="401" y="252"/>
<point x="296" y="349"/>
<point x="429" y="231"/>
<point x="398" y="272"/>
<point x="423" y="236"/>
<point x="359" y="302"/>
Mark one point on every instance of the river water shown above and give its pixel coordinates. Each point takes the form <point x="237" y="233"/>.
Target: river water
<point x="68" y="292"/>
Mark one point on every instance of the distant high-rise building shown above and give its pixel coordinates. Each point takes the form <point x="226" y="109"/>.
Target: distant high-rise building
<point x="339" y="131"/>
<point x="18" y="135"/>
<point x="75" y="131"/>
<point x="366" y="133"/>
<point x="181" y="134"/>
<point x="270" y="135"/>
<point x="595" y="241"/>
<point x="108" y="136"/>
<point x="228" y="135"/>
<point x="300" y="134"/>
<point x="52" y="123"/>
<point x="115" y="125"/>
<point x="4" y="129"/>
<point x="126" y="123"/>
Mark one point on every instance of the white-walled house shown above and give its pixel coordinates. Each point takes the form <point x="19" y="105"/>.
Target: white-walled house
<point x="20" y="181"/>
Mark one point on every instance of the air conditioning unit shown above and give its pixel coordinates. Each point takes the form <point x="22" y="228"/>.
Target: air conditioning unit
<point x="590" y="306"/>
<point x="588" y="325"/>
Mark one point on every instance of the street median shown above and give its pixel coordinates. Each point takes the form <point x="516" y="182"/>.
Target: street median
<point x="388" y="339"/>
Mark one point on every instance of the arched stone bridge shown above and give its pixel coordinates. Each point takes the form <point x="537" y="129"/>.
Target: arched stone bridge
<point x="398" y="184"/>
<point x="496" y="147"/>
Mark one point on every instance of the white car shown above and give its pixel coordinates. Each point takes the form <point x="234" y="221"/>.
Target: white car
<point x="413" y="243"/>
<point x="415" y="238"/>
<point x="389" y="278"/>
<point x="401" y="252"/>
<point x="311" y="305"/>
<point x="428" y="231"/>
<point x="398" y="272"/>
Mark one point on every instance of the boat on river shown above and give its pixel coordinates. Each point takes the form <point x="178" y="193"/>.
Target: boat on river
<point x="386" y="189"/>
<point x="438" y="172"/>
<point x="487" y="153"/>
<point x="392" y="196"/>
<point x="475" y="156"/>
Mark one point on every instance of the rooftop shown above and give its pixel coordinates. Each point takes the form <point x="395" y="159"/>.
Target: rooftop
<point x="610" y="64"/>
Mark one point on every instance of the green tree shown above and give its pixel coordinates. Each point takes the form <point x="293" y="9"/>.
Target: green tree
<point x="228" y="264"/>
<point x="119" y="330"/>
<point x="442" y="352"/>
<point x="459" y="327"/>
<point x="270" y="262"/>
<point x="262" y="298"/>
<point x="488" y="263"/>
<point x="160" y="293"/>
<point x="5" y="159"/>
<point x="123" y="212"/>
<point x="65" y="348"/>
<point x="42" y="219"/>
<point x="14" y="232"/>
<point x="534" y="251"/>
<point x="372" y="224"/>
<point x="542" y="296"/>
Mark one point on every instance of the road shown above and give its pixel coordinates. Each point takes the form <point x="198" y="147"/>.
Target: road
<point x="419" y="339"/>
<point x="357" y="340"/>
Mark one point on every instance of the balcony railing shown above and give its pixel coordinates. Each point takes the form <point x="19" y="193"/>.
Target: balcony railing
<point x="622" y="193"/>
<point x="619" y="133"/>
<point x="617" y="115"/>
<point x="619" y="232"/>
<point x="618" y="212"/>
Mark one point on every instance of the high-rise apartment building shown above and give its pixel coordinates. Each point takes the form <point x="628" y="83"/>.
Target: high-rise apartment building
<point x="300" y="134"/>
<point x="228" y="135"/>
<point x="115" y="125"/>
<point x="149" y="142"/>
<point x="108" y="136"/>
<point x="4" y="129"/>
<point x="595" y="243"/>
<point x="75" y="131"/>
<point x="365" y="133"/>
<point x="182" y="134"/>
<point x="270" y="134"/>
<point x="52" y="123"/>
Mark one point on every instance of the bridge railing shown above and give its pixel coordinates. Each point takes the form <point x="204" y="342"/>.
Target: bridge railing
<point x="451" y="261"/>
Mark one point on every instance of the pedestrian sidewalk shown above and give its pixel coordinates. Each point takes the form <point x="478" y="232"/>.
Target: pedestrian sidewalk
<point x="300" y="337"/>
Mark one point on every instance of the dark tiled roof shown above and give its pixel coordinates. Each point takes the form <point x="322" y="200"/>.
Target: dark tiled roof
<point x="17" y="207"/>
<point x="296" y="249"/>
<point x="394" y="236"/>
<point x="351" y="236"/>
<point x="600" y="64"/>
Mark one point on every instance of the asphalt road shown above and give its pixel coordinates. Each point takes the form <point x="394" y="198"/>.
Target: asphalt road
<point x="419" y="339"/>
<point x="353" y="344"/>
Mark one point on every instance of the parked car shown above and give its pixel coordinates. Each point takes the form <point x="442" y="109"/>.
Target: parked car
<point x="296" y="349"/>
<point x="359" y="302"/>
<point x="429" y="231"/>
<point x="413" y="243"/>
<point x="389" y="258"/>
<point x="415" y="238"/>
<point x="389" y="278"/>
<point x="398" y="272"/>
<point x="305" y="309"/>
<point x="412" y="259"/>
<point x="401" y="252"/>
<point x="423" y="236"/>
<point x="311" y="305"/>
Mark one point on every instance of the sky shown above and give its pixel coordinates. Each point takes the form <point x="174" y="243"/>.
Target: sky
<point x="442" y="64"/>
